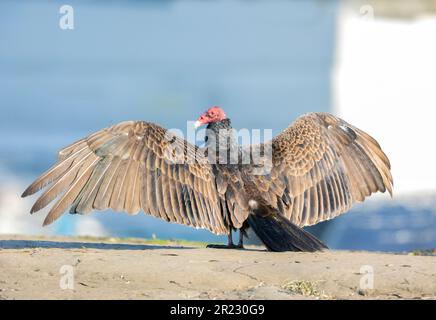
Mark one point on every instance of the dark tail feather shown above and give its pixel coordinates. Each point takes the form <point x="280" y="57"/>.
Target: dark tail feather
<point x="279" y="234"/>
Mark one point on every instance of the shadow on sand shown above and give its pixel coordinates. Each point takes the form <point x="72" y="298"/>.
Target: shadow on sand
<point x="30" y="244"/>
<point x="33" y="244"/>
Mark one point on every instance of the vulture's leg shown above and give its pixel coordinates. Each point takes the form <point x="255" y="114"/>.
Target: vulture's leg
<point x="241" y="239"/>
<point x="229" y="244"/>
<point x="242" y="233"/>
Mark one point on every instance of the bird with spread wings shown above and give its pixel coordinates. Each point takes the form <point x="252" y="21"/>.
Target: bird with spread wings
<point x="320" y="166"/>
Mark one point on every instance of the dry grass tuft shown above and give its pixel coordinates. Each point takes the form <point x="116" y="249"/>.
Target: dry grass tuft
<point x="305" y="288"/>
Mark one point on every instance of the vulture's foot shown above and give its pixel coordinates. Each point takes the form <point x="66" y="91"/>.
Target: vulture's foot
<point x="230" y="244"/>
<point x="225" y="246"/>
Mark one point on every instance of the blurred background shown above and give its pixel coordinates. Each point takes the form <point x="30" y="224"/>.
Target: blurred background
<point x="370" y="62"/>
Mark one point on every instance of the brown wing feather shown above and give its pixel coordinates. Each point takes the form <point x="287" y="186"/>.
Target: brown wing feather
<point x="321" y="166"/>
<point x="132" y="166"/>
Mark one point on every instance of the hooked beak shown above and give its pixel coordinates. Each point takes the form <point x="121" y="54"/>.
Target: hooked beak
<point x="197" y="124"/>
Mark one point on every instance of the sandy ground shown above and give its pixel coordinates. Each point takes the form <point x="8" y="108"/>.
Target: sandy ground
<point x="74" y="268"/>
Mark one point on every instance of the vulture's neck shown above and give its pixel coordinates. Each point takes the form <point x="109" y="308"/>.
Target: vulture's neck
<point x="221" y="142"/>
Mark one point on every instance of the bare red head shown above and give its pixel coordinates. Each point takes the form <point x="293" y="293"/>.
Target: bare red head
<point x="213" y="114"/>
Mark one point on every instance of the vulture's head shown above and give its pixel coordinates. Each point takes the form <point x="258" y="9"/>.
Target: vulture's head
<point x="213" y="114"/>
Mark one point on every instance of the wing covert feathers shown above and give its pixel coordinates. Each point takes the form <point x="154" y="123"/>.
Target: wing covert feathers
<point x="321" y="166"/>
<point x="131" y="166"/>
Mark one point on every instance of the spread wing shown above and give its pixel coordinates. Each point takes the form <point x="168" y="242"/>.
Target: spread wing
<point x="131" y="166"/>
<point x="321" y="165"/>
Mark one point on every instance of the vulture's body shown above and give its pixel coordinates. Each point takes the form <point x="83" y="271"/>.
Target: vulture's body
<point x="319" y="167"/>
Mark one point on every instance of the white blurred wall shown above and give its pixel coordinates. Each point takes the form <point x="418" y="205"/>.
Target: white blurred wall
<point x="384" y="82"/>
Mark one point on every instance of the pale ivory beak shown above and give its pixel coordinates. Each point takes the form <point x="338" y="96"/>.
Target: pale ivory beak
<point x="197" y="124"/>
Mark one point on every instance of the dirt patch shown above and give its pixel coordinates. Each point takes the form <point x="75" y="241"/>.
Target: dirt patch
<point x="77" y="268"/>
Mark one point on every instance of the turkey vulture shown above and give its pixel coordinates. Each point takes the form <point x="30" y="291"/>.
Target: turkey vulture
<point x="320" y="166"/>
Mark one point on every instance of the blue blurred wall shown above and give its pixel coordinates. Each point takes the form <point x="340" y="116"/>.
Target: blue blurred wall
<point x="163" y="61"/>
